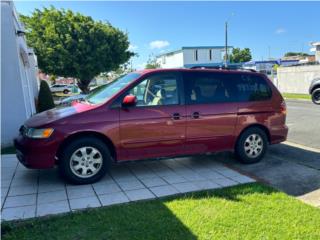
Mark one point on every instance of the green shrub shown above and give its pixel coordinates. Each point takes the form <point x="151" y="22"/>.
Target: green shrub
<point x="45" y="99"/>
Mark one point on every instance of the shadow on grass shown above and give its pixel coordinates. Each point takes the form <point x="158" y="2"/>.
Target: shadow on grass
<point x="139" y="220"/>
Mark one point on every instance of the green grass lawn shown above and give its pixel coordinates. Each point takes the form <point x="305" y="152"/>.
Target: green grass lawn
<point x="296" y="96"/>
<point x="8" y="150"/>
<point x="250" y="211"/>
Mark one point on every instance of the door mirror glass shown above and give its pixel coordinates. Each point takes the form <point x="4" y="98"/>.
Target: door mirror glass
<point x="129" y="101"/>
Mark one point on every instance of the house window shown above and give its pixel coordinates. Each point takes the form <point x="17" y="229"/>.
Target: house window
<point x="210" y="54"/>
<point x="163" y="60"/>
<point x="196" y="55"/>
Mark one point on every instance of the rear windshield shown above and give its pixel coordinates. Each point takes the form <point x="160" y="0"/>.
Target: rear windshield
<point x="208" y="87"/>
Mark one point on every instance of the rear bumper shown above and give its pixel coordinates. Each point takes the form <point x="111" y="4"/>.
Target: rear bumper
<point x="36" y="153"/>
<point x="279" y="134"/>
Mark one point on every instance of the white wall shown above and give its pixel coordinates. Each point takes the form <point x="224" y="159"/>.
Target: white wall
<point x="296" y="79"/>
<point x="318" y="53"/>
<point x="174" y="60"/>
<point x="187" y="56"/>
<point x="18" y="79"/>
<point x="203" y="56"/>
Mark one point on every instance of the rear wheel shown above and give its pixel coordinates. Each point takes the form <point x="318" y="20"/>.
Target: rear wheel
<point x="316" y="96"/>
<point x="84" y="160"/>
<point x="66" y="91"/>
<point x="251" y="145"/>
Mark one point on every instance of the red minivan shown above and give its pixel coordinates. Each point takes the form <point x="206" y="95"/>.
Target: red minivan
<point x="156" y="114"/>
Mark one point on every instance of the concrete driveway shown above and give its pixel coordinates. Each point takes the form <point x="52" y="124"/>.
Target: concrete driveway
<point x="293" y="167"/>
<point x="30" y="193"/>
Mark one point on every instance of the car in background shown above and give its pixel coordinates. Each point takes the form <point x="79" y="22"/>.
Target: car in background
<point x="314" y="91"/>
<point x="61" y="88"/>
<point x="68" y="100"/>
<point x="79" y="97"/>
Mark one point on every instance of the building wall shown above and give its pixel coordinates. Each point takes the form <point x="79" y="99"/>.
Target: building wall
<point x="186" y="57"/>
<point x="296" y="79"/>
<point x="318" y="53"/>
<point x="18" y="80"/>
<point x="174" y="60"/>
<point x="203" y="56"/>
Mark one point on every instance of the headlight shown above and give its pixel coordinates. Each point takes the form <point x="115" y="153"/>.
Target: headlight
<point x="39" y="133"/>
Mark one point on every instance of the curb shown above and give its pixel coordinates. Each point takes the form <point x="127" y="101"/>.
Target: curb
<point x="292" y="144"/>
<point x="298" y="99"/>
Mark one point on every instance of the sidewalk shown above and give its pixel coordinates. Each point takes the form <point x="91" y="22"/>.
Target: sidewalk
<point x="31" y="193"/>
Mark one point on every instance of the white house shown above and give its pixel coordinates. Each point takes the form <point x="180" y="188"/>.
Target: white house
<point x="193" y="56"/>
<point x="19" y="85"/>
<point x="316" y="49"/>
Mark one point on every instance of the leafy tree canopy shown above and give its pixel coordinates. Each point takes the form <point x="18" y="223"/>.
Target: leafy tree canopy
<point x="239" y="55"/>
<point x="73" y="45"/>
<point x="290" y="54"/>
<point x="152" y="63"/>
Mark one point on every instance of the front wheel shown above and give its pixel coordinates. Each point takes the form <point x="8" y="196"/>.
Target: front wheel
<point x="251" y="145"/>
<point x="316" y="96"/>
<point x="84" y="160"/>
<point x="66" y="91"/>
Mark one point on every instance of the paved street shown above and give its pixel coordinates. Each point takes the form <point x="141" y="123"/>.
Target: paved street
<point x="304" y="123"/>
<point x="289" y="167"/>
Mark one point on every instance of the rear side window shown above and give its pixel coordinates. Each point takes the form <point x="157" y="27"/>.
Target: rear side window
<point x="206" y="87"/>
<point x="251" y="88"/>
<point x="212" y="87"/>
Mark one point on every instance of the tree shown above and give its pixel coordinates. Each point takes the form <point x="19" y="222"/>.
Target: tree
<point x="152" y="64"/>
<point x="45" y="99"/>
<point x="73" y="45"/>
<point x="239" y="55"/>
<point x="290" y="54"/>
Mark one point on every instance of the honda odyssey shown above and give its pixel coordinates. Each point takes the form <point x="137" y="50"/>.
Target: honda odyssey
<point x="157" y="113"/>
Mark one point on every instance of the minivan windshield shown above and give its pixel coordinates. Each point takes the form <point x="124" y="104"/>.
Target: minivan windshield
<point x="107" y="91"/>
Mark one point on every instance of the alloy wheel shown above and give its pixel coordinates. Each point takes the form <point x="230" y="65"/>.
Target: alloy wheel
<point x="86" y="162"/>
<point x="253" y="145"/>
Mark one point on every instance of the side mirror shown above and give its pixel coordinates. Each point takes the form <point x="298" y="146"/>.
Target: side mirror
<point x="129" y="101"/>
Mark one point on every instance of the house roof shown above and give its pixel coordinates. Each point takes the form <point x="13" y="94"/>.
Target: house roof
<point x="279" y="61"/>
<point x="315" y="43"/>
<point x="193" y="47"/>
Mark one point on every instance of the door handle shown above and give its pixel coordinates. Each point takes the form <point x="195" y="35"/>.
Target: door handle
<point x="195" y="115"/>
<point x="176" y="116"/>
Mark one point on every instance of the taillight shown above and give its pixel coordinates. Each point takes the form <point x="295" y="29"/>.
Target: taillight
<point x="283" y="107"/>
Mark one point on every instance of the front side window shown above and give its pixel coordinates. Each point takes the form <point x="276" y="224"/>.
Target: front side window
<point x="156" y="90"/>
<point x="205" y="87"/>
<point x="106" y="92"/>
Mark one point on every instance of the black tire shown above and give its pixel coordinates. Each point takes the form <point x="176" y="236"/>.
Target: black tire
<point x="66" y="91"/>
<point x="244" y="155"/>
<point x="71" y="149"/>
<point x="316" y="96"/>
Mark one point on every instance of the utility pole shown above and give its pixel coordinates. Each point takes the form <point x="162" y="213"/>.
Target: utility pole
<point x="226" y="45"/>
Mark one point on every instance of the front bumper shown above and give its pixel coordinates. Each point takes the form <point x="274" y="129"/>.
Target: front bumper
<point x="36" y="153"/>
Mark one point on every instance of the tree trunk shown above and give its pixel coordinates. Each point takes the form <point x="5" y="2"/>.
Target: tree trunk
<point x="83" y="85"/>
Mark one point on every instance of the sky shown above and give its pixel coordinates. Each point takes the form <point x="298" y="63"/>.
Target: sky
<point x="269" y="29"/>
